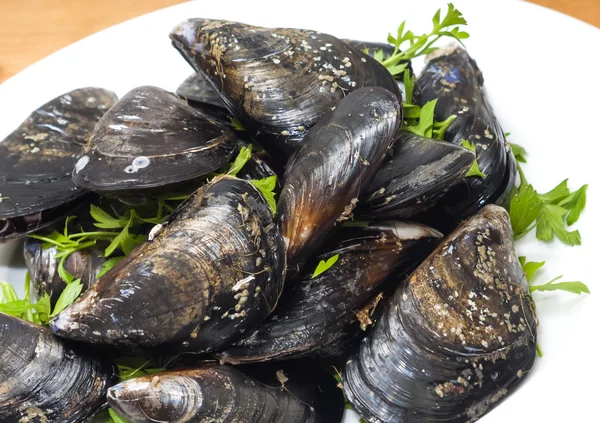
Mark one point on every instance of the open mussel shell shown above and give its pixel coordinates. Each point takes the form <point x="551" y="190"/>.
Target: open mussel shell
<point x="452" y="77"/>
<point x="326" y="177"/>
<point x="43" y="379"/>
<point x="198" y="92"/>
<point x="319" y="314"/>
<point x="38" y="157"/>
<point x="300" y="394"/>
<point x="457" y="338"/>
<point x="311" y="72"/>
<point x="152" y="138"/>
<point x="421" y="171"/>
<point x="203" y="278"/>
<point x="43" y="267"/>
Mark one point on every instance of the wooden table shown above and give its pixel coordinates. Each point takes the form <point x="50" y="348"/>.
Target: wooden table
<point x="32" y="29"/>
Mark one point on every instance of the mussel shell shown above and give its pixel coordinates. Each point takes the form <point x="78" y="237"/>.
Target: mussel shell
<point x="318" y="315"/>
<point x="278" y="82"/>
<point x="370" y="47"/>
<point x="326" y="177"/>
<point x="43" y="268"/>
<point x="211" y="272"/>
<point x="456" y="338"/>
<point x="37" y="159"/>
<point x="152" y="138"/>
<point x="43" y="379"/>
<point x="223" y="393"/>
<point x="198" y="92"/>
<point x="421" y="171"/>
<point x="452" y="77"/>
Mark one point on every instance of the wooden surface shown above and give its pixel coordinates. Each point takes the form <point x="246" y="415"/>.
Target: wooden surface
<point x="32" y="29"/>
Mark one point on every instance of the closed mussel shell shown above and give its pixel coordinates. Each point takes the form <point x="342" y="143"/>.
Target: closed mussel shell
<point x="457" y="338"/>
<point x="326" y="177"/>
<point x="452" y="77"/>
<point x="152" y="138"/>
<point x="43" y="379"/>
<point x="303" y="393"/>
<point x="38" y="157"/>
<point x="421" y="171"/>
<point x="198" y="92"/>
<point x="319" y="314"/>
<point x="203" y="278"/>
<point x="278" y="82"/>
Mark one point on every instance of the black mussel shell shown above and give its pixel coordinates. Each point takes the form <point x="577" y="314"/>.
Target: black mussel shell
<point x="212" y="271"/>
<point x="152" y="138"/>
<point x="452" y="77"/>
<point x="43" y="379"/>
<point x="37" y="159"/>
<point x="457" y="338"/>
<point x="326" y="177"/>
<point x="318" y="315"/>
<point x="43" y="268"/>
<point x="198" y="92"/>
<point x="278" y="82"/>
<point x="421" y="171"/>
<point x="371" y="48"/>
<point x="303" y="393"/>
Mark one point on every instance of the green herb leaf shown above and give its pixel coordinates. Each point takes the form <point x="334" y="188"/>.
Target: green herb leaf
<point x="266" y="187"/>
<point x="237" y="125"/>
<point x="439" y="128"/>
<point x="425" y="126"/>
<point x="525" y="207"/>
<point x="411" y="112"/>
<point x="573" y="287"/>
<point x="518" y="151"/>
<point x="409" y="86"/>
<point x="539" y="350"/>
<point x="240" y="161"/>
<point x="550" y="222"/>
<point x="378" y="55"/>
<point x="474" y="169"/>
<point x="531" y="267"/>
<point x="558" y="193"/>
<point x="68" y="296"/>
<point x="126" y="372"/>
<point x="325" y="265"/>
<point x="116" y="418"/>
<point x="574" y="203"/>
<point x="109" y="264"/>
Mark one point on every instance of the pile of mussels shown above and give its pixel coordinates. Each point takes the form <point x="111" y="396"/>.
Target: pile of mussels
<point x="423" y="327"/>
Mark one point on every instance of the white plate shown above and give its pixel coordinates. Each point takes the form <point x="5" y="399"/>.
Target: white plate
<point x="541" y="74"/>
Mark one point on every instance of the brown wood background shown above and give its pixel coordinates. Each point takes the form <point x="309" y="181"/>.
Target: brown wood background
<point x="32" y="29"/>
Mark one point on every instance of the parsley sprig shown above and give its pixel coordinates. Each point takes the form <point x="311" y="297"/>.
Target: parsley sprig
<point x="408" y="45"/>
<point x="550" y="213"/>
<point x="325" y="265"/>
<point x="531" y="268"/>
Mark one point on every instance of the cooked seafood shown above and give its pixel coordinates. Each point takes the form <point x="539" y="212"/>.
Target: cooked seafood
<point x="43" y="379"/>
<point x="37" y="159"/>
<point x="456" y="339"/>
<point x="326" y="177"/>
<point x="152" y="138"/>
<point x="197" y="91"/>
<point x="278" y="82"/>
<point x="452" y="77"/>
<point x="203" y="278"/>
<point x="421" y="172"/>
<point x="43" y="267"/>
<point x="298" y="394"/>
<point x="319" y="315"/>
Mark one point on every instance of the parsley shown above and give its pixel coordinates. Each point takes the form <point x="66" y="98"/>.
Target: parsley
<point x="424" y="127"/>
<point x="109" y="264"/>
<point x="116" y="418"/>
<point x="474" y="170"/>
<point x="240" y="161"/>
<point x="518" y="151"/>
<point x="68" y="296"/>
<point x="325" y="265"/>
<point x="126" y="372"/>
<point x="530" y="269"/>
<point x="266" y="187"/>
<point x="419" y="45"/>
<point x="237" y="125"/>
<point x="524" y="208"/>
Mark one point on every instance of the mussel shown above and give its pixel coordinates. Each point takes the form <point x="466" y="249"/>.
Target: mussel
<point x="43" y="379"/>
<point x="421" y="171"/>
<point x="457" y="338"/>
<point x="371" y="48"/>
<point x="278" y="82"/>
<point x="452" y="77"/>
<point x="37" y="159"/>
<point x="319" y="314"/>
<point x="152" y="138"/>
<point x="326" y="177"/>
<point x="198" y="92"/>
<point x="43" y="267"/>
<point x="302" y="393"/>
<point x="211" y="272"/>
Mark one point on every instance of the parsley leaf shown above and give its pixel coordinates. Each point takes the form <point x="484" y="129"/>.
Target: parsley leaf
<point x="109" y="264"/>
<point x="550" y="222"/>
<point x="574" y="203"/>
<point x="531" y="267"/>
<point x="116" y="418"/>
<point x="419" y="45"/>
<point x="266" y="187"/>
<point x="474" y="170"/>
<point x="518" y="151"/>
<point x="409" y="87"/>
<point x="525" y="207"/>
<point x="424" y="127"/>
<point x="240" y="161"/>
<point x="323" y="265"/>
<point x="237" y="125"/>
<point x="573" y="287"/>
<point x="69" y="294"/>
